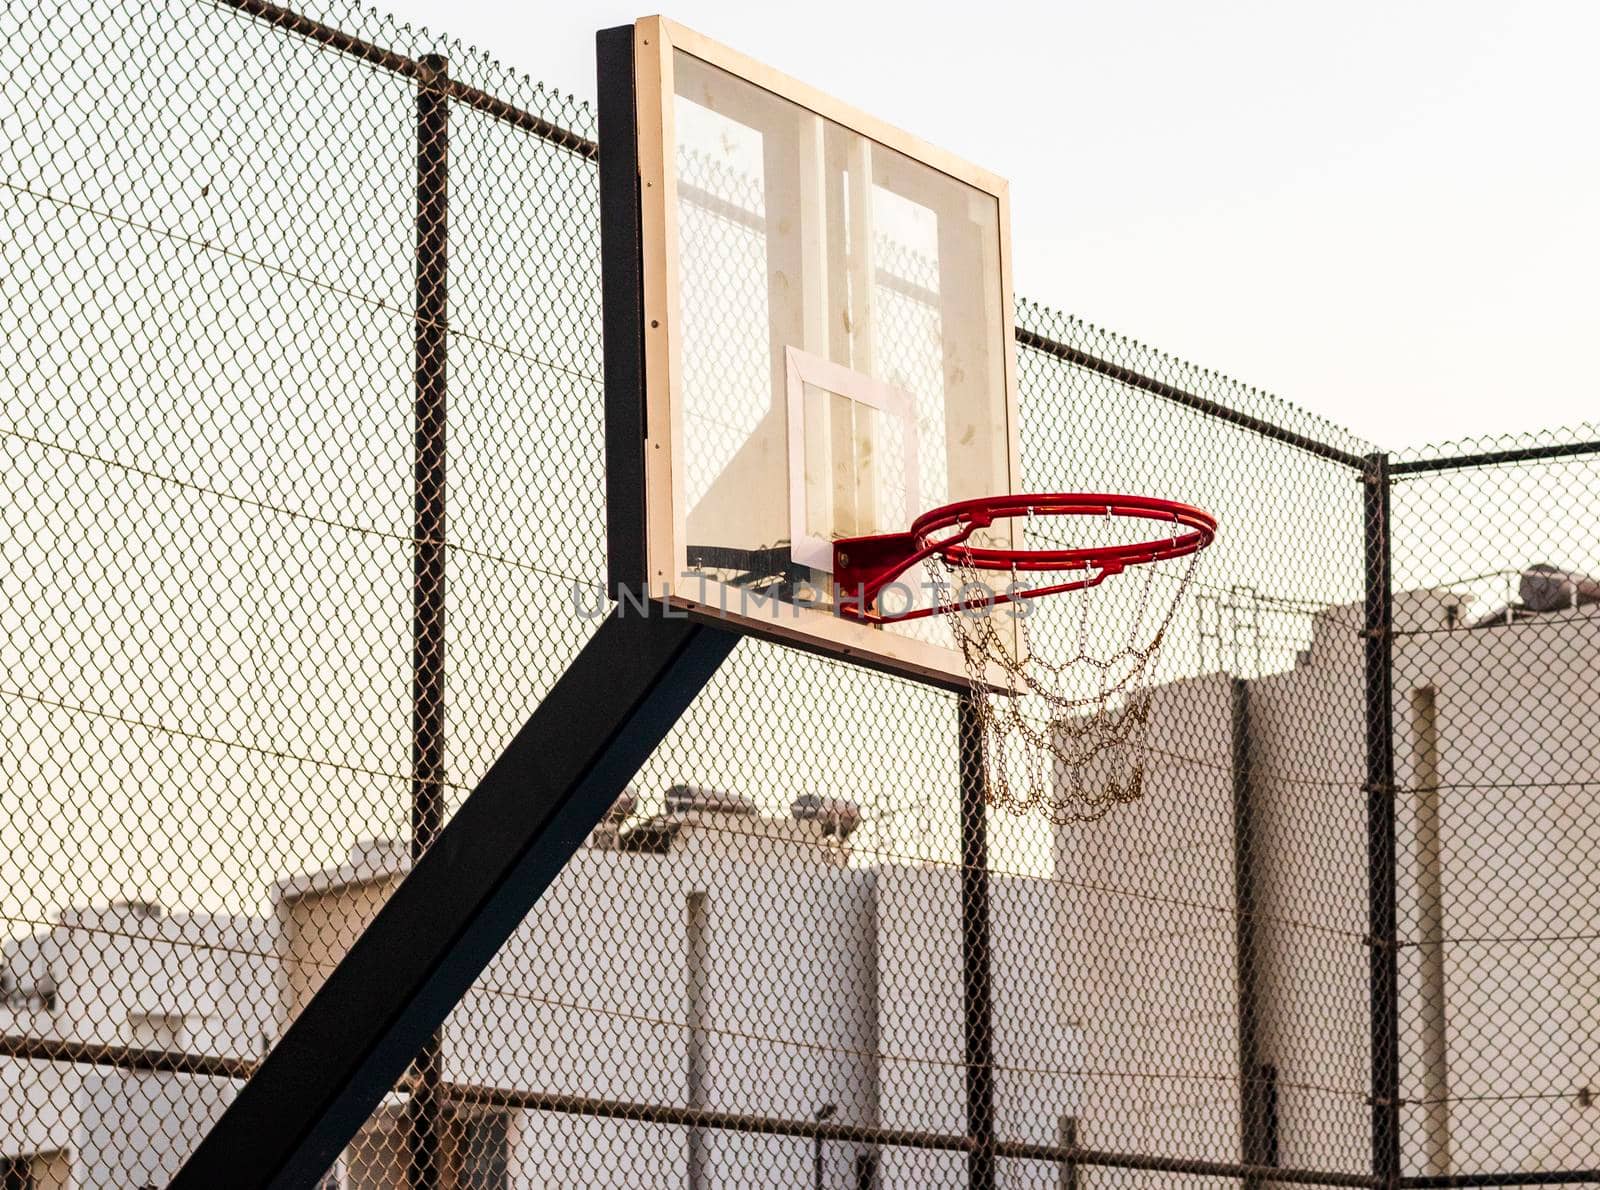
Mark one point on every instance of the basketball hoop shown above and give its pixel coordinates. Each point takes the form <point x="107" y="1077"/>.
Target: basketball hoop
<point x="1067" y="735"/>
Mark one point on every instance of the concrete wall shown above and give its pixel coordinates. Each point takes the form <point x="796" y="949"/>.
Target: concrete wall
<point x="1500" y="1026"/>
<point x="129" y="974"/>
<point x="42" y="1110"/>
<point x="99" y="1128"/>
<point x="1307" y="766"/>
<point x="749" y="969"/>
<point x="921" y="1027"/>
<point x="135" y="976"/>
<point x="137" y="1128"/>
<point x="1146" y="946"/>
<point x="1500" y="858"/>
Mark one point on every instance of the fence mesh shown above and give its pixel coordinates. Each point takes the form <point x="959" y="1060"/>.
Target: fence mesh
<point x="302" y="494"/>
<point x="1497" y="733"/>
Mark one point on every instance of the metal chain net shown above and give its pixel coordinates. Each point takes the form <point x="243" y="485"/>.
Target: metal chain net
<point x="1066" y="736"/>
<point x="302" y="514"/>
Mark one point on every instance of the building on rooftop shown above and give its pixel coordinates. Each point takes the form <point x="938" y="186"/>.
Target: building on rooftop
<point x="838" y="956"/>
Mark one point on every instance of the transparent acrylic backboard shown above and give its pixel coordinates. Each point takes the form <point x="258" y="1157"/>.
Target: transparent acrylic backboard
<point x="828" y="344"/>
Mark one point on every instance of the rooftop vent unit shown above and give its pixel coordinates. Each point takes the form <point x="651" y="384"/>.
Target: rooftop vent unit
<point x="608" y="835"/>
<point x="837" y="815"/>
<point x="1541" y="590"/>
<point x="685" y="799"/>
<point x="627" y="801"/>
<point x="1546" y="588"/>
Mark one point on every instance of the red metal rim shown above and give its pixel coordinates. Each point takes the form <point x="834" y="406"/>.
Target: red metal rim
<point x="1192" y="530"/>
<point x="865" y="566"/>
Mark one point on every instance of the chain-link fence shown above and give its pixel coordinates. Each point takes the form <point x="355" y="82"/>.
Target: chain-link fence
<point x="1497" y="736"/>
<point x="303" y="514"/>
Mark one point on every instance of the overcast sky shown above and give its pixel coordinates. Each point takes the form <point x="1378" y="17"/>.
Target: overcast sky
<point x="1383" y="212"/>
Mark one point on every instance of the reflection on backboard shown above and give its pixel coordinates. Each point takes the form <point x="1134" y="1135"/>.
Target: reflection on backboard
<point x="828" y="349"/>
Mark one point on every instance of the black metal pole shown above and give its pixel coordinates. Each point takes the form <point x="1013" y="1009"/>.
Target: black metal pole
<point x="1381" y="914"/>
<point x="460" y="902"/>
<point x="1068" y="1179"/>
<point x="622" y="327"/>
<point x="977" y="1015"/>
<point x="426" y="1122"/>
<point x="1255" y="1119"/>
<point x="821" y="1115"/>
<point x="1553" y="1177"/>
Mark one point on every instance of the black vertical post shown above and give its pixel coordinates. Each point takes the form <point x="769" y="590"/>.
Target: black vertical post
<point x="1255" y="1117"/>
<point x="1381" y="914"/>
<point x="1068" y="1179"/>
<point x="975" y="975"/>
<point x="425" y="1110"/>
<point x="622" y="327"/>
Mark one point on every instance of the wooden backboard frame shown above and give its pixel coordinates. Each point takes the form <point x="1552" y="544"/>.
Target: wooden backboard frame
<point x="647" y="545"/>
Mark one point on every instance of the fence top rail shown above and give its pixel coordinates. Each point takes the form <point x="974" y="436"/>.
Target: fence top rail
<point x="1539" y="452"/>
<point x="1160" y="388"/>
<point x="416" y="68"/>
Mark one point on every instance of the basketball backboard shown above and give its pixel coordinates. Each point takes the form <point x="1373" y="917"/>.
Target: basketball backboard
<point x="809" y="336"/>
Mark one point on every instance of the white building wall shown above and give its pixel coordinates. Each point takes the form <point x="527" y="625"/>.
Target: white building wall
<point x="42" y="1110"/>
<point x="1309" y="817"/>
<point x="557" y="1150"/>
<point x="1514" y="707"/>
<point x="136" y="1129"/>
<point x="593" y="997"/>
<point x="135" y="975"/>
<point x="923" y="1083"/>
<point x="1147" y="948"/>
<point x="130" y="976"/>
<point x="783" y="1022"/>
<point x="921" y="1027"/>
<point x="102" y="1128"/>
<point x="789" y="1004"/>
<point x="572" y="1002"/>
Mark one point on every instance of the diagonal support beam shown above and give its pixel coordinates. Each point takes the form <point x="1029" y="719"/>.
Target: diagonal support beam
<point x="463" y="898"/>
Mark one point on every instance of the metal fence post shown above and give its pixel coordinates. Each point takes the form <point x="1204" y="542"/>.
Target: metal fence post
<point x="1378" y="638"/>
<point x="1067" y="1175"/>
<point x="1254" y="1105"/>
<point x="977" y="1014"/>
<point x="428" y="1156"/>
